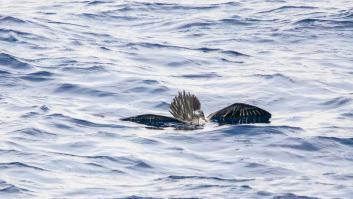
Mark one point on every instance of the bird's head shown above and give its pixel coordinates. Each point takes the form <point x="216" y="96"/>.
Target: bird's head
<point x="199" y="116"/>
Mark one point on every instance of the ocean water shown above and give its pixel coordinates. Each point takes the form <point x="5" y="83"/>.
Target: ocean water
<point x="69" y="70"/>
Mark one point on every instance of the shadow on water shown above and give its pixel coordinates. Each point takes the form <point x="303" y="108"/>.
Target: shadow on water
<point x="254" y="130"/>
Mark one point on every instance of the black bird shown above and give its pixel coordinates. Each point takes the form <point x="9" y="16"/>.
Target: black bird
<point x="186" y="109"/>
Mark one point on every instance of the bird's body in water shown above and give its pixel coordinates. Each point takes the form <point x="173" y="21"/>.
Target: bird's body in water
<point x="187" y="114"/>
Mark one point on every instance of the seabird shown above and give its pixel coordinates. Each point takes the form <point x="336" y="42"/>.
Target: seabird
<point x="187" y="113"/>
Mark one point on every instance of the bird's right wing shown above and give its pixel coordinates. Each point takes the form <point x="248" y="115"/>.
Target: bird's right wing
<point x="240" y="113"/>
<point x="152" y="120"/>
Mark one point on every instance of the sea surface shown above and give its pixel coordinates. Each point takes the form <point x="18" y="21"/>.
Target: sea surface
<point x="69" y="70"/>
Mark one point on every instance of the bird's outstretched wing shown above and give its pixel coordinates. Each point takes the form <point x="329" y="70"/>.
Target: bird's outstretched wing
<point x="240" y="113"/>
<point x="152" y="120"/>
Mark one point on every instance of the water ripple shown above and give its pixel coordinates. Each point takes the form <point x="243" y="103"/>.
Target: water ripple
<point x="72" y="88"/>
<point x="13" y="62"/>
<point x="69" y="70"/>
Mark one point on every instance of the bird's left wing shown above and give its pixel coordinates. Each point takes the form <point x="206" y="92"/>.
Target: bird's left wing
<point x="240" y="113"/>
<point x="154" y="120"/>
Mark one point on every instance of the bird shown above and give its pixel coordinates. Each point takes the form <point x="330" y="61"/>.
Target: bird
<point x="187" y="114"/>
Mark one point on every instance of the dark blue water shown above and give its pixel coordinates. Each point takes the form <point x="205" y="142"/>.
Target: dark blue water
<point x="69" y="70"/>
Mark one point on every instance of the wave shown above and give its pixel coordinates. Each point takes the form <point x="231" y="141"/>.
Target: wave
<point x="81" y="122"/>
<point x="342" y="141"/>
<point x="337" y="102"/>
<point x="10" y="19"/>
<point x="128" y="162"/>
<point x="77" y="69"/>
<point x="342" y="14"/>
<point x="8" y="36"/>
<point x="93" y="3"/>
<point x="142" y="197"/>
<point x="292" y="196"/>
<point x="34" y="133"/>
<point x="200" y="76"/>
<point x="198" y="25"/>
<point x="107" y="16"/>
<point x="190" y="26"/>
<point x="348" y="114"/>
<point x="12" y="189"/>
<point x="163" y="7"/>
<point x="12" y="61"/>
<point x="287" y="8"/>
<point x="298" y="144"/>
<point x="227" y="52"/>
<point x="12" y="165"/>
<point x="202" y="49"/>
<point x="16" y="36"/>
<point x="235" y="20"/>
<point x="323" y="23"/>
<point x="78" y="89"/>
<point x="38" y="76"/>
<point x="142" y="89"/>
<point x="4" y="73"/>
<point x="277" y="77"/>
<point x="203" y="178"/>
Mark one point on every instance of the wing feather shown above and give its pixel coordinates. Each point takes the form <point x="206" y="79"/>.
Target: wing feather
<point x="154" y="120"/>
<point x="240" y="113"/>
<point x="183" y="106"/>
